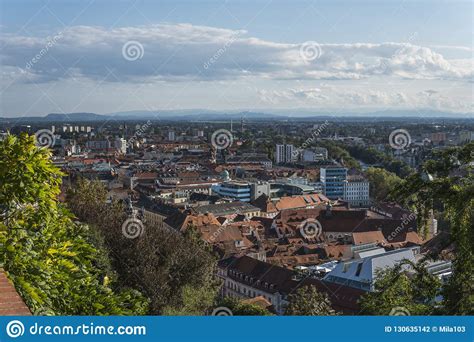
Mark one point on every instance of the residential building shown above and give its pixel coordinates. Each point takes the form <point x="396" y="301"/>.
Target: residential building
<point x="356" y="191"/>
<point x="284" y="153"/>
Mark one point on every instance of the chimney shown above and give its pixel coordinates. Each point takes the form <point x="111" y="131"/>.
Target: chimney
<point x="328" y="209"/>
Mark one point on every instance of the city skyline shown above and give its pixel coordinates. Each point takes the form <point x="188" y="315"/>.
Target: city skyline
<point x="338" y="57"/>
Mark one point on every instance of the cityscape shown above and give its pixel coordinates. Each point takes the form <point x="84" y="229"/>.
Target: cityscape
<point x="255" y="174"/>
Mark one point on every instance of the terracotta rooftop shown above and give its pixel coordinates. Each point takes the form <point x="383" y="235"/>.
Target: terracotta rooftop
<point x="11" y="303"/>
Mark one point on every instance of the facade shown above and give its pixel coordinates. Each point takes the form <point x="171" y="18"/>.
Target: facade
<point x="121" y="145"/>
<point x="284" y="153"/>
<point x="95" y="145"/>
<point x="356" y="191"/>
<point x="466" y="136"/>
<point x="315" y="154"/>
<point x="333" y="180"/>
<point x="251" y="158"/>
<point x="240" y="191"/>
<point x="438" y="137"/>
<point x="360" y="273"/>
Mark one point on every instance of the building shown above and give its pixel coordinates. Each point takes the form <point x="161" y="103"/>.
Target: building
<point x="316" y="154"/>
<point x="466" y="136"/>
<point x="228" y="210"/>
<point x="438" y="137"/>
<point x="171" y="136"/>
<point x="250" y="158"/>
<point x="240" y="191"/>
<point x="360" y="273"/>
<point x="284" y="153"/>
<point x="98" y="145"/>
<point x="245" y="278"/>
<point x="333" y="179"/>
<point x="356" y="191"/>
<point x="121" y="145"/>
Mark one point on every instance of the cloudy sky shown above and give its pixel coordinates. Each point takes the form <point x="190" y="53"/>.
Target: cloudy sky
<point x="340" y="56"/>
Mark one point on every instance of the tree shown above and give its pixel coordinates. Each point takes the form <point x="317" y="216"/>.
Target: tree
<point x="448" y="178"/>
<point x="308" y="301"/>
<point x="240" y="308"/>
<point x="169" y="267"/>
<point x="195" y="302"/>
<point x="51" y="259"/>
<point x="395" y="287"/>
<point x="382" y="183"/>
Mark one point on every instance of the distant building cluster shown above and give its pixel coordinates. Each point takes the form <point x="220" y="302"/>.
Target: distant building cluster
<point x="277" y="218"/>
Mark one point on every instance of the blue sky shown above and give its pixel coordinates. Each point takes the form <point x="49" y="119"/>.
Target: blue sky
<point x="249" y="55"/>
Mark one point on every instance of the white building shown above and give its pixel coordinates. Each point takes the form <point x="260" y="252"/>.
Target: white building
<point x="121" y="145"/>
<point x="171" y="136"/>
<point x="284" y="153"/>
<point x="356" y="191"/>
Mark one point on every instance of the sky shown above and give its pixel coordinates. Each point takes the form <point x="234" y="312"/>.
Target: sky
<point x="339" y="56"/>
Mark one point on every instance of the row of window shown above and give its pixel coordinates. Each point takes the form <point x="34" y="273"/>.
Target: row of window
<point x="248" y="293"/>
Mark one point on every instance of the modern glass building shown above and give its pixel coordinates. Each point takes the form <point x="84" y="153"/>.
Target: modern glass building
<point x="236" y="190"/>
<point x="333" y="179"/>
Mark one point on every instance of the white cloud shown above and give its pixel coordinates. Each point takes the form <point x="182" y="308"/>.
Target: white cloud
<point x="179" y="52"/>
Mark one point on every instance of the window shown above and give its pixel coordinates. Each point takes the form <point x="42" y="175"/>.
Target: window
<point x="359" y="269"/>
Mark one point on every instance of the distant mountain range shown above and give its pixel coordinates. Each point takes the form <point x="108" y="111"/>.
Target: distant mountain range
<point x="208" y="115"/>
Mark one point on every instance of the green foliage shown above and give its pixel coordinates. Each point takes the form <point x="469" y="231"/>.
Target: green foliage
<point x="382" y="183"/>
<point x="338" y="152"/>
<point x="50" y="258"/>
<point x="370" y="155"/>
<point x="195" y="302"/>
<point x="452" y="184"/>
<point x="239" y="308"/>
<point x="308" y="301"/>
<point x="394" y="288"/>
<point x="169" y="267"/>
